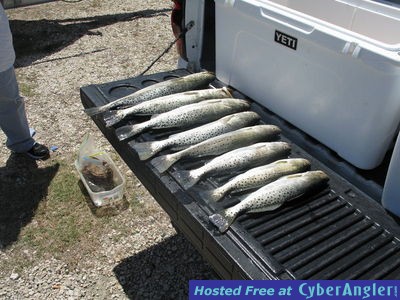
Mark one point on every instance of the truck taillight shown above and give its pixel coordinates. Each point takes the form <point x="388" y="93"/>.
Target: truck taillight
<point x="176" y="24"/>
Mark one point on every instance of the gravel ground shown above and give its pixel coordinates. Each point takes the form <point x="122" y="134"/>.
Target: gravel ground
<point x="60" y="48"/>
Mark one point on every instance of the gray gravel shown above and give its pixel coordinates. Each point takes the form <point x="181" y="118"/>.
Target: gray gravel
<point x="161" y="271"/>
<point x="62" y="47"/>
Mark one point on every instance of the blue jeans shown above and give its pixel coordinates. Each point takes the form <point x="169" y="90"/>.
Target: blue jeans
<point x="13" y="119"/>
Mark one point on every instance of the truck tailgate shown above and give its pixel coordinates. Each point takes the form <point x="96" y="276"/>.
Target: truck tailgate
<point x="340" y="233"/>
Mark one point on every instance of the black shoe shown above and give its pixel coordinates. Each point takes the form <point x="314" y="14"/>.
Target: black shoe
<point x="38" y="151"/>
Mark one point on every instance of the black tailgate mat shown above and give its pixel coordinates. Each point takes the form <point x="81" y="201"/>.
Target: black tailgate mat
<point x="340" y="233"/>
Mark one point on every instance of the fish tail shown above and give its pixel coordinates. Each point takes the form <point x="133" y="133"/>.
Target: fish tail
<point x="146" y="150"/>
<point x="112" y="117"/>
<point x="163" y="163"/>
<point x="96" y="110"/>
<point x="128" y="131"/>
<point x="212" y="195"/>
<point x="187" y="179"/>
<point x="222" y="220"/>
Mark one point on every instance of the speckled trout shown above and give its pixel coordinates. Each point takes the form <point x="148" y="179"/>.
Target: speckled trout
<point x="196" y="135"/>
<point x="220" y="144"/>
<point x="271" y="196"/>
<point x="258" y="177"/>
<point x="239" y="159"/>
<point x="164" y="104"/>
<point x="168" y="87"/>
<point x="188" y="115"/>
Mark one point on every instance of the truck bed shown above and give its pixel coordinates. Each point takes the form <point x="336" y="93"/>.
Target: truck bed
<point x="339" y="233"/>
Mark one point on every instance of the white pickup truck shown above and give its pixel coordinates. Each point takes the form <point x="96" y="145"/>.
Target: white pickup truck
<point x="328" y="74"/>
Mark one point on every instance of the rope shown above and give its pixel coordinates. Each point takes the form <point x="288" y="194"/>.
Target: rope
<point x="181" y="35"/>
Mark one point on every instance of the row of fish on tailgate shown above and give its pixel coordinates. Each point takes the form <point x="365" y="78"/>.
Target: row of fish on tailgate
<point x="225" y="129"/>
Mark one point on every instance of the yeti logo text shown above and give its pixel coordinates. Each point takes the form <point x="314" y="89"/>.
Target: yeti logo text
<point x="285" y="40"/>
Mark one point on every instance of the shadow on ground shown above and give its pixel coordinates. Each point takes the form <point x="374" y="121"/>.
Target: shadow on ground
<point x="22" y="186"/>
<point x="34" y="40"/>
<point x="162" y="271"/>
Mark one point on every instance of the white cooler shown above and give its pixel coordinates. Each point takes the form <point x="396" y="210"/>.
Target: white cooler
<point x="331" y="68"/>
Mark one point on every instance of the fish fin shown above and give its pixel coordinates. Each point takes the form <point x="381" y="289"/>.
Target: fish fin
<point x="210" y="101"/>
<point x="228" y="91"/>
<point x="179" y="147"/>
<point x="172" y="136"/>
<point x="266" y="208"/>
<point x="281" y="162"/>
<point x="187" y="179"/>
<point x="211" y="195"/>
<point x="221" y="221"/>
<point x="112" y="117"/>
<point x="146" y="150"/>
<point x="143" y="114"/>
<point x="163" y="163"/>
<point x="96" y="110"/>
<point x="294" y="175"/>
<point x="127" y="131"/>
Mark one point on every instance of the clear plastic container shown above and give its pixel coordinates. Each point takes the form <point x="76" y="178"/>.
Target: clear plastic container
<point x="103" y="198"/>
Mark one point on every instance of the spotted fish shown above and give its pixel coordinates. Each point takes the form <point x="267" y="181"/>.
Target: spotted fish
<point x="164" y="104"/>
<point x="168" y="87"/>
<point x="235" y="160"/>
<point x="219" y="144"/>
<point x="271" y="196"/>
<point x="188" y="115"/>
<point x="196" y="135"/>
<point x="258" y="177"/>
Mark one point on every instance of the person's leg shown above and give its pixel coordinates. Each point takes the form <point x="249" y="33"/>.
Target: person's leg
<point x="13" y="119"/>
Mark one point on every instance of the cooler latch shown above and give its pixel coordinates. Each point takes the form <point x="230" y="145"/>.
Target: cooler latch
<point x="352" y="49"/>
